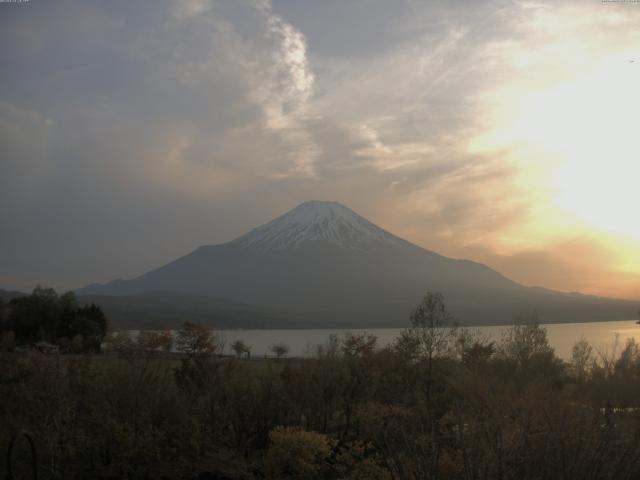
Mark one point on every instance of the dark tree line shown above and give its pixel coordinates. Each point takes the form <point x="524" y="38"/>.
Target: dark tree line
<point x="58" y="319"/>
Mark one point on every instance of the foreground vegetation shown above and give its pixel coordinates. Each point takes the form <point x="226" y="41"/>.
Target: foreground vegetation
<point x="440" y="403"/>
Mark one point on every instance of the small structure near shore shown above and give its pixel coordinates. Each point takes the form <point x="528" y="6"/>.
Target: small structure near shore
<point x="46" y="347"/>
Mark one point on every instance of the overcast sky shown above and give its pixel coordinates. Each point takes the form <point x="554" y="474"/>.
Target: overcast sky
<point x="132" y="132"/>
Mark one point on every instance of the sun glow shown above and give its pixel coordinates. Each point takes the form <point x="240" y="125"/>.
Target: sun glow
<point x="583" y="135"/>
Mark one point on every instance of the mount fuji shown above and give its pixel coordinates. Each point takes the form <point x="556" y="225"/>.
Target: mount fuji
<point x="323" y="265"/>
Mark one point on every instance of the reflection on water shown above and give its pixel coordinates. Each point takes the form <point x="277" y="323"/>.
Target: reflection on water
<point x="601" y="335"/>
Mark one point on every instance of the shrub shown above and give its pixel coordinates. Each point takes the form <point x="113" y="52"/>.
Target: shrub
<point x="296" y="454"/>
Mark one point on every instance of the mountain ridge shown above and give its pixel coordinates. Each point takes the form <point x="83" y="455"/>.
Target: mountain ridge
<point x="323" y="261"/>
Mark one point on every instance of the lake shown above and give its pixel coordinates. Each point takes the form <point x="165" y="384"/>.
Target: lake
<point x="562" y="336"/>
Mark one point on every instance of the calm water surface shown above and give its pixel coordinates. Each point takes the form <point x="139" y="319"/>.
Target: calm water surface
<point x="562" y="336"/>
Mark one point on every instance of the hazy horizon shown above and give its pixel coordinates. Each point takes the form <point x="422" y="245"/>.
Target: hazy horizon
<point x="501" y="132"/>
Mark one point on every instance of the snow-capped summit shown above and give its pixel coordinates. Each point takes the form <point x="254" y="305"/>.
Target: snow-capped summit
<point x="318" y="222"/>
